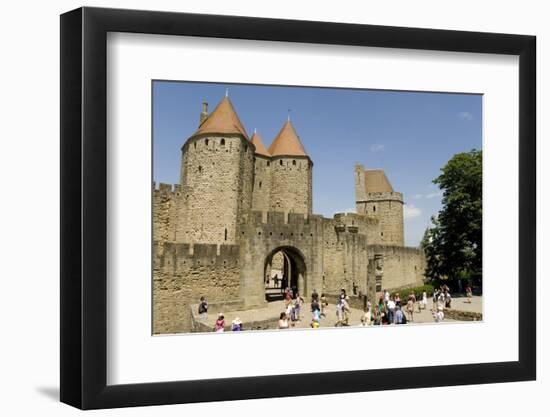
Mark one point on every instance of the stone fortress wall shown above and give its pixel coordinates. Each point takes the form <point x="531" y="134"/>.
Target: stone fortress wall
<point x="181" y="271"/>
<point x="336" y="256"/>
<point x="238" y="204"/>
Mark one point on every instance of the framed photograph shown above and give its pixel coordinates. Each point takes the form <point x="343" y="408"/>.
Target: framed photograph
<point x="257" y="208"/>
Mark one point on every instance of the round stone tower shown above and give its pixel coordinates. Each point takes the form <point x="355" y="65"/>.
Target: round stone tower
<point x="375" y="197"/>
<point x="291" y="173"/>
<point x="261" y="193"/>
<point x="216" y="178"/>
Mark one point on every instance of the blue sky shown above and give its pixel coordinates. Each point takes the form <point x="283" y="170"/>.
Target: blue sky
<point x="410" y="135"/>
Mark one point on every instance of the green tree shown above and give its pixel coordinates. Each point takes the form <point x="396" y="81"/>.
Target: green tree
<point x="453" y="245"/>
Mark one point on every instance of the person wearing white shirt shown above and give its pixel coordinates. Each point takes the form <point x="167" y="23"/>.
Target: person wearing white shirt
<point x="439" y="316"/>
<point x="391" y="310"/>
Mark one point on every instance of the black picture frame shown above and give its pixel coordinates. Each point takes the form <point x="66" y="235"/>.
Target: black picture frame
<point x="84" y="207"/>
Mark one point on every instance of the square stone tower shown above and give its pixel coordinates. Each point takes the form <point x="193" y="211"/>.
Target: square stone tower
<point x="374" y="196"/>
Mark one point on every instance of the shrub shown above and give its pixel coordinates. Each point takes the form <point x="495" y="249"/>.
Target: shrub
<point x="417" y="291"/>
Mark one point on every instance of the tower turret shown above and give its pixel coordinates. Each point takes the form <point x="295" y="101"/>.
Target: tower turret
<point x="262" y="175"/>
<point x="216" y="178"/>
<point x="291" y="173"/>
<point x="375" y="197"/>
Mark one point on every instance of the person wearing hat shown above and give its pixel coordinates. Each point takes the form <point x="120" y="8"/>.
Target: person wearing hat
<point x="236" y="325"/>
<point x="219" y="327"/>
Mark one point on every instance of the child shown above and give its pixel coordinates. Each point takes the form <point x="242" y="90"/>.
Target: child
<point x="366" y="320"/>
<point x="469" y="294"/>
<point x="219" y="327"/>
<point x="316" y="319"/>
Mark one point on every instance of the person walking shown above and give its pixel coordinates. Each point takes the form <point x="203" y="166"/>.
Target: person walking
<point x="390" y="305"/>
<point x="376" y="318"/>
<point x="439" y="315"/>
<point x="314" y="295"/>
<point x="448" y="299"/>
<point x="345" y="311"/>
<point x="289" y="312"/>
<point x="287" y="296"/>
<point x="397" y="300"/>
<point x="315" y="319"/>
<point x="343" y="293"/>
<point x="469" y="294"/>
<point x="410" y="306"/>
<point x="203" y="309"/>
<point x="366" y="319"/>
<point x="424" y="302"/>
<point x="382" y="310"/>
<point x="435" y="297"/>
<point x="399" y="316"/>
<point x="298" y="302"/>
<point x="339" y="312"/>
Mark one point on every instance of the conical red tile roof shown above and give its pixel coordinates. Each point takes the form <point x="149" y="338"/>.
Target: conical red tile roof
<point x="260" y="148"/>
<point x="287" y="142"/>
<point x="223" y="120"/>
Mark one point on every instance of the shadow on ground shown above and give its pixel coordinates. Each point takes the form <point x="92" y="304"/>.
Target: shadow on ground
<point x="50" y="392"/>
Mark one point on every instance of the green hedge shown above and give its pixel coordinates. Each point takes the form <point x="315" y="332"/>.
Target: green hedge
<point x="417" y="291"/>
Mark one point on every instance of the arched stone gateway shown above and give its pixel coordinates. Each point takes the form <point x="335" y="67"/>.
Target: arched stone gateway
<point x="290" y="274"/>
<point x="299" y="237"/>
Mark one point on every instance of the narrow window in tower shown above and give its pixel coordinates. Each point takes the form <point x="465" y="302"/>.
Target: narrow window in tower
<point x="225" y="237"/>
<point x="195" y="145"/>
<point x="267" y="163"/>
<point x="381" y="233"/>
<point x="206" y="141"/>
<point x="222" y="142"/>
<point x="373" y="208"/>
<point x="280" y="162"/>
<point x="260" y="184"/>
<point x="294" y="162"/>
<point x="200" y="168"/>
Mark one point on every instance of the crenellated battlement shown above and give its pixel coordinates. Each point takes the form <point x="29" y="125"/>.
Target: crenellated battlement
<point x="280" y="218"/>
<point x="180" y="255"/>
<point x="382" y="196"/>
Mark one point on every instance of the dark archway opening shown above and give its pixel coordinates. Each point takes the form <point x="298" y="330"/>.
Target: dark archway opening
<point x="284" y="268"/>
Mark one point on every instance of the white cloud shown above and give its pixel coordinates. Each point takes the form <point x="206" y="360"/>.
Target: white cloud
<point x="436" y="194"/>
<point x="465" y="115"/>
<point x="377" y="147"/>
<point x="410" y="211"/>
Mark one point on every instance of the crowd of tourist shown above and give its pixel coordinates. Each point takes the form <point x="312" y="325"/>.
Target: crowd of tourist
<point x="388" y="310"/>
